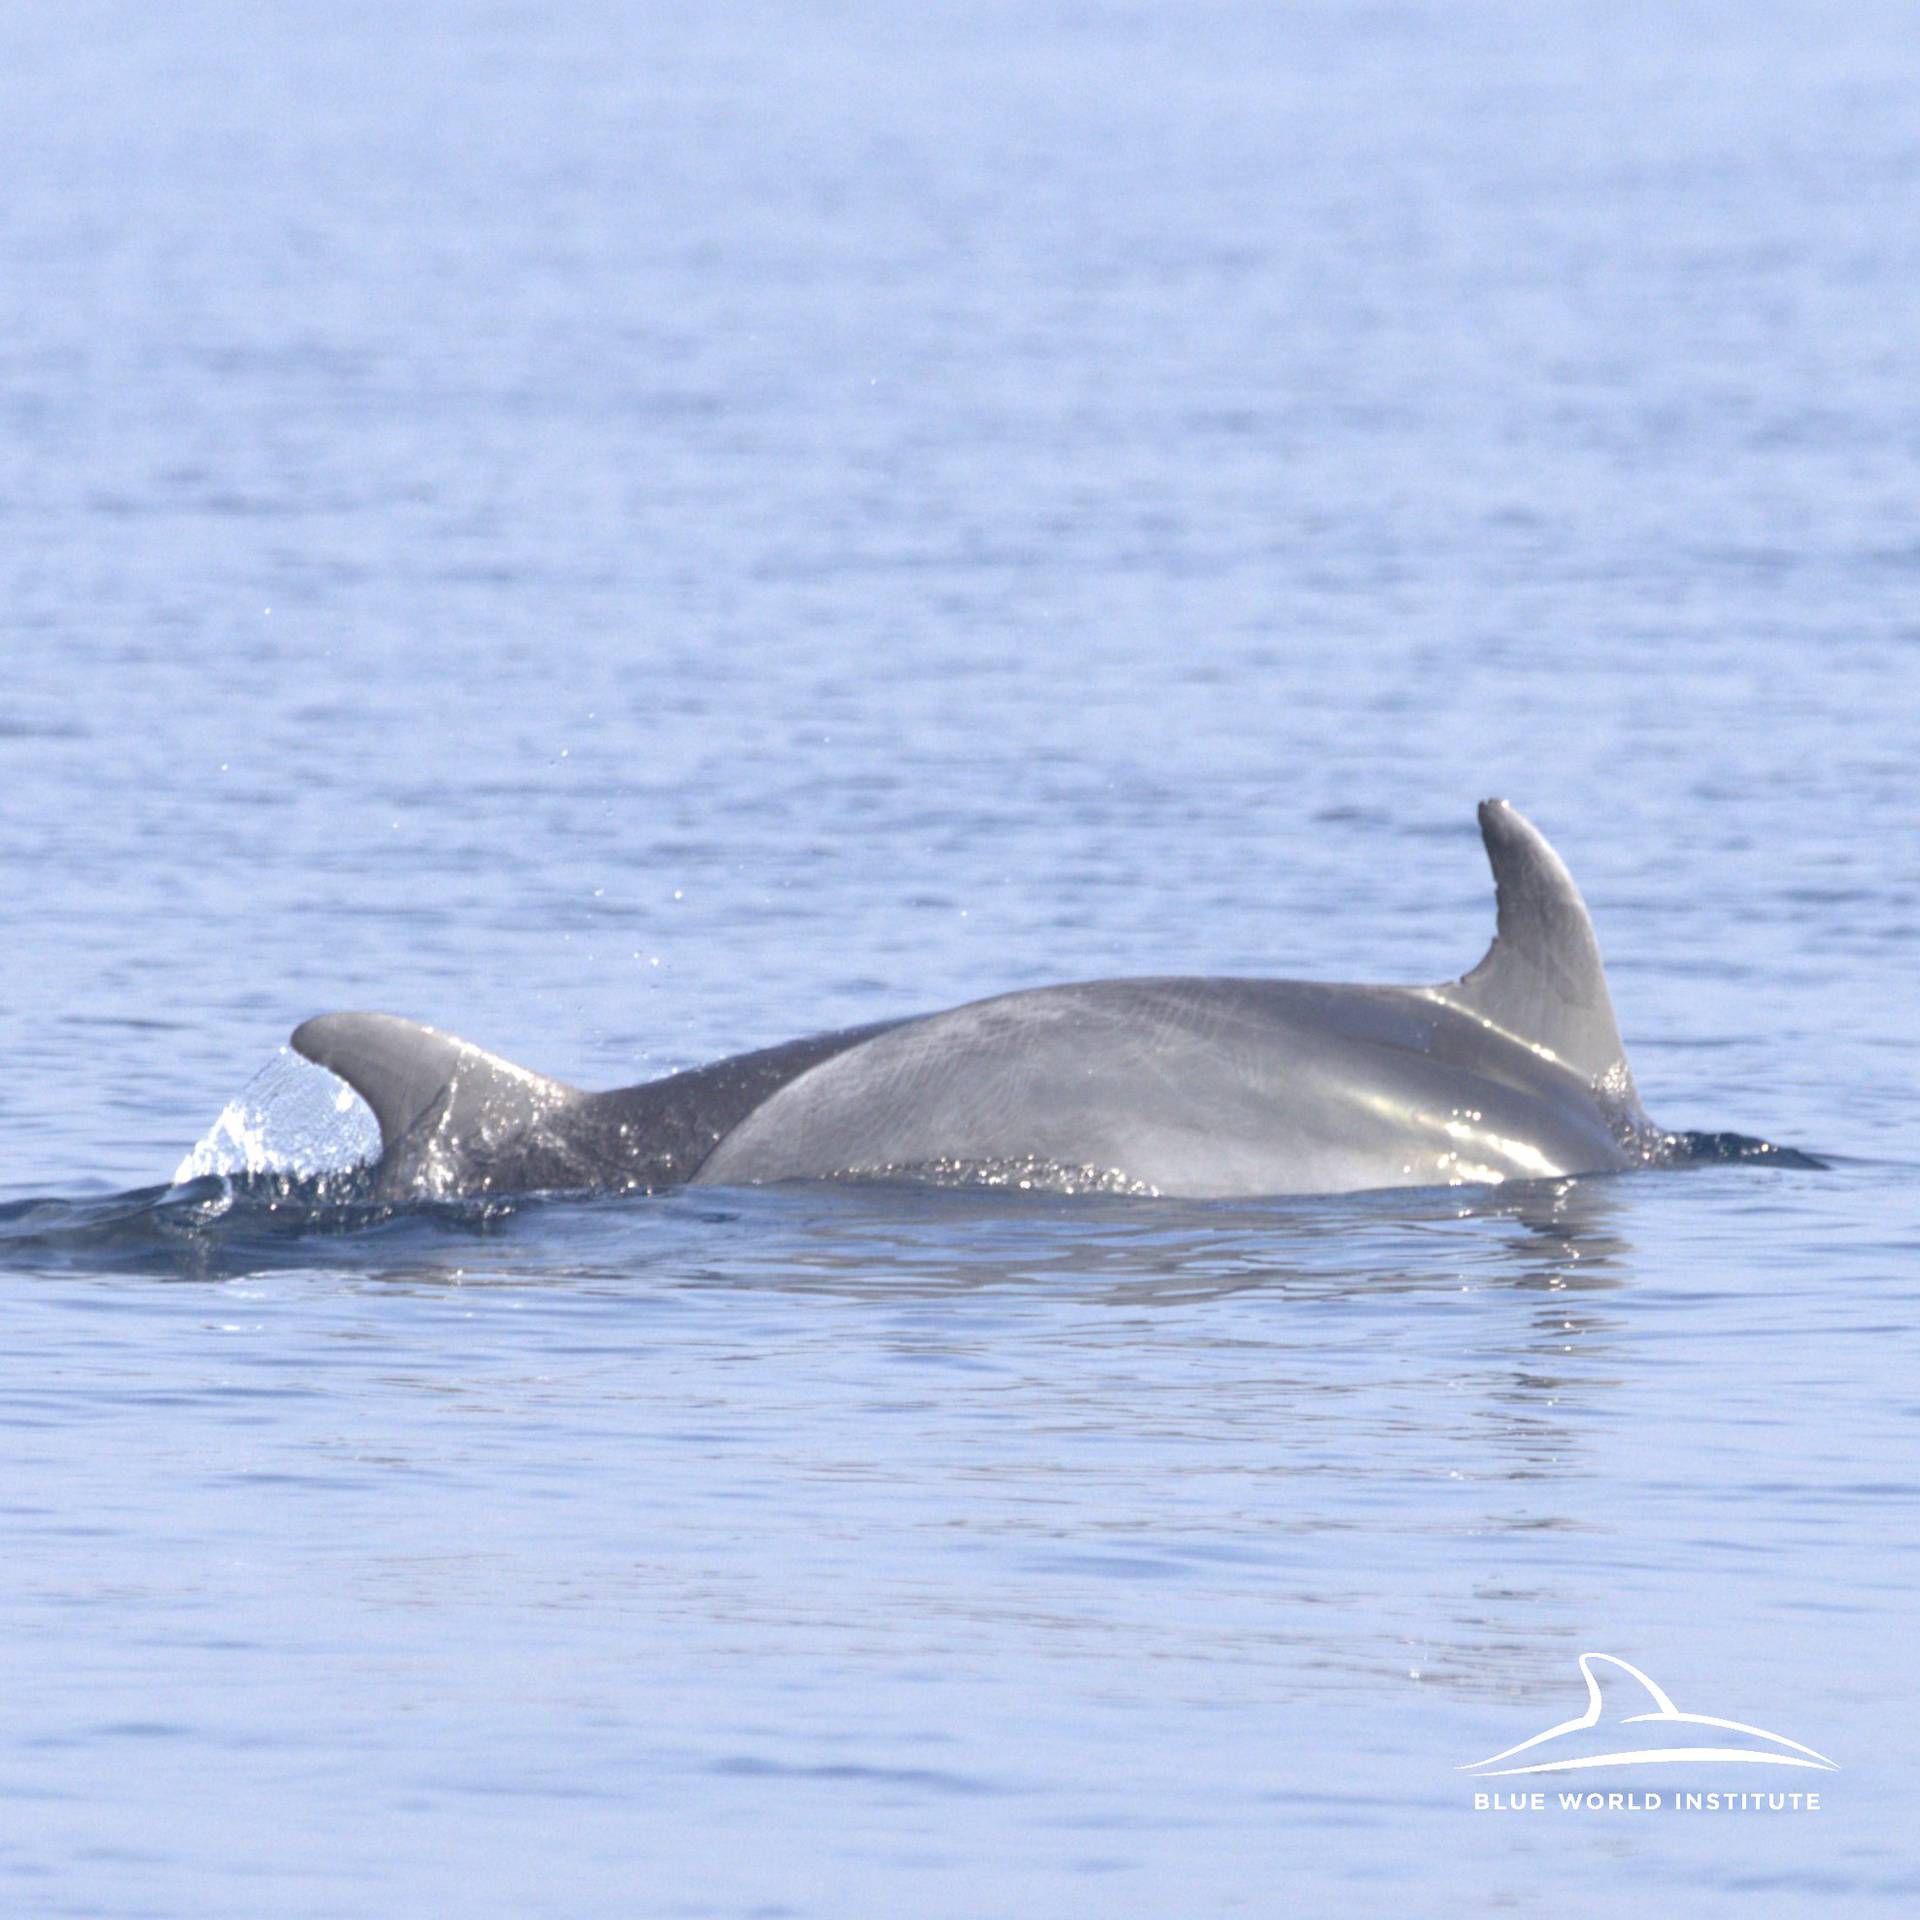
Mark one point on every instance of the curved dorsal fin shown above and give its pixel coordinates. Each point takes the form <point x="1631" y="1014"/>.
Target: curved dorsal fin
<point x="1541" y="981"/>
<point x="438" y="1100"/>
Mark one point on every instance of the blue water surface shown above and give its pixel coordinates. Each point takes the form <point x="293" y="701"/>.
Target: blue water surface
<point x="631" y="533"/>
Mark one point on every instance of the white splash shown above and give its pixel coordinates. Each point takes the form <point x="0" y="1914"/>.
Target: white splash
<point x="291" y="1117"/>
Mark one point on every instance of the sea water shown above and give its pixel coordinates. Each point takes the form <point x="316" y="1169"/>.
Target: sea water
<point x="630" y="534"/>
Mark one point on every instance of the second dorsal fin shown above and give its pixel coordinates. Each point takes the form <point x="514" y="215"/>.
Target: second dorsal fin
<point x="1541" y="981"/>
<point x="441" y="1103"/>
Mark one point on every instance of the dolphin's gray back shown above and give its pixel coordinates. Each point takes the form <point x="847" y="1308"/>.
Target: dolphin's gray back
<point x="1199" y="1087"/>
<point x="663" y="1132"/>
<point x="1222" y="1087"/>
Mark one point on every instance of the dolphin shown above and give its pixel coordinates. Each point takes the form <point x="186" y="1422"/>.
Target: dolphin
<point x="1195" y="1087"/>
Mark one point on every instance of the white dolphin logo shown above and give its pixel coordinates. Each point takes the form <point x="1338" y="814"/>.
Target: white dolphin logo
<point x="1784" y="1753"/>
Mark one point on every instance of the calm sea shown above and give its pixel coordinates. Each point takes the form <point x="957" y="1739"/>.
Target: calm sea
<point x="631" y="533"/>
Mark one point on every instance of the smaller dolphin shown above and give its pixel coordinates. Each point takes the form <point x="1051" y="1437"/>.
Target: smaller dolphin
<point x="1644" y="1728"/>
<point x="1195" y="1087"/>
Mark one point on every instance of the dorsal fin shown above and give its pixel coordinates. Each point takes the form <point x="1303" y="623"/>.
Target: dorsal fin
<point x="439" y="1101"/>
<point x="1541" y="981"/>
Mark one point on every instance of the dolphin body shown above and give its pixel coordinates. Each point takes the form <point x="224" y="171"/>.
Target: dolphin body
<point x="1204" y="1088"/>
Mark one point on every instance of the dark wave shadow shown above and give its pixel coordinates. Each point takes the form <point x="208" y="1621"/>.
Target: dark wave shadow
<point x="1729" y="1149"/>
<point x="844" y="1239"/>
<point x="855" y="1238"/>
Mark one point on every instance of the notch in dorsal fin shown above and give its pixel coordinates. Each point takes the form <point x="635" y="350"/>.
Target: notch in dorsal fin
<point x="1541" y="981"/>
<point x="441" y="1103"/>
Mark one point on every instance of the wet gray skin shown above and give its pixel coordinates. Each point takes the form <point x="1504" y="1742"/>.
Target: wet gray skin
<point x="1195" y="1087"/>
